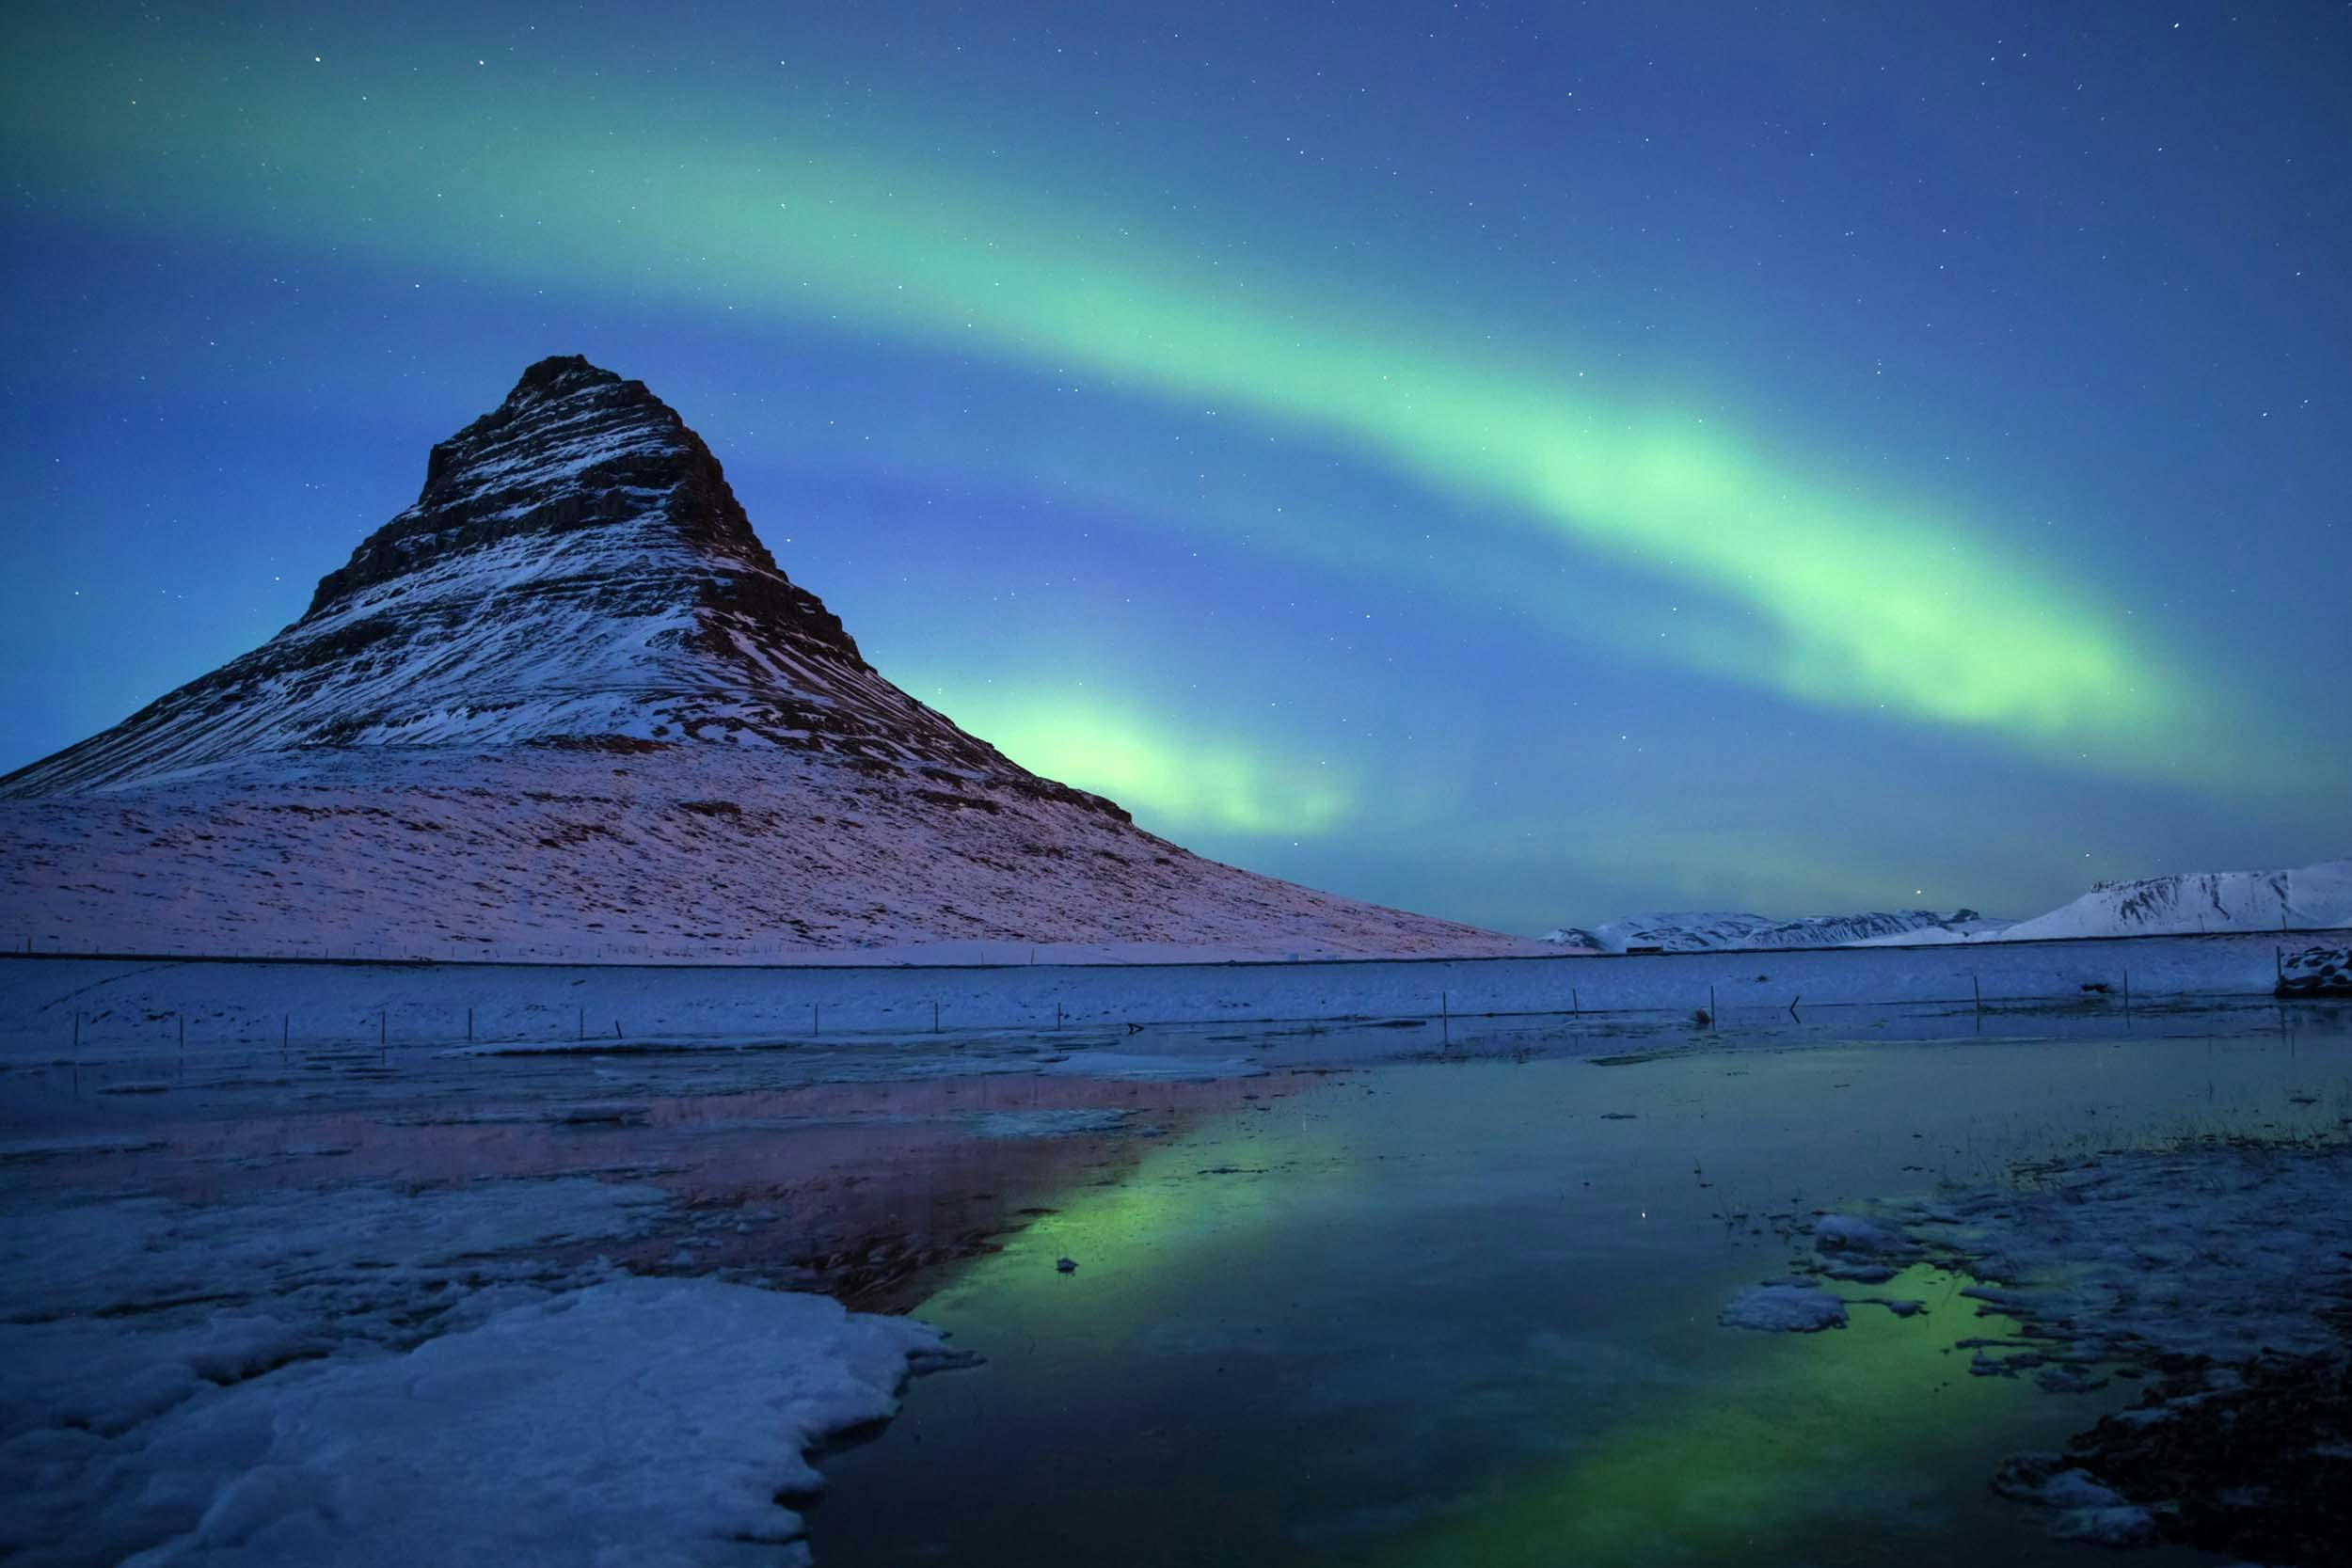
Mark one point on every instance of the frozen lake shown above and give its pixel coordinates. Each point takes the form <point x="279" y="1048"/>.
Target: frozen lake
<point x="1429" y="1292"/>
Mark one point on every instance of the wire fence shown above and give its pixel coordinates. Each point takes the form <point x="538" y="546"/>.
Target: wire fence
<point x="653" y="1009"/>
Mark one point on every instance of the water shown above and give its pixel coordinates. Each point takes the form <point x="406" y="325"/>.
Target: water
<point x="1423" y="1311"/>
<point x="1432" y="1293"/>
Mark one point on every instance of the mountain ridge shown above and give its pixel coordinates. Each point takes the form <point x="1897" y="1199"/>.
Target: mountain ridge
<point x="2317" y="896"/>
<point x="576" y="564"/>
<point x="1726" y="931"/>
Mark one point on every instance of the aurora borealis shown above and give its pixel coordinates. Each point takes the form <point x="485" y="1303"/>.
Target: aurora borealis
<point x="1524" y="469"/>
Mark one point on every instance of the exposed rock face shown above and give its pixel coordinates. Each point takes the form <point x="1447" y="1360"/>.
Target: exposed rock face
<point x="576" y="566"/>
<point x="2316" y="972"/>
<point x="566" y="704"/>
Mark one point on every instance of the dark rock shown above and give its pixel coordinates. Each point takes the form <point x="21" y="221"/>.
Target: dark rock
<point x="2258" y="1467"/>
<point x="2316" y="972"/>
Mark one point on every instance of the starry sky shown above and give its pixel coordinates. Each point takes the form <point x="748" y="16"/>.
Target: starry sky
<point x="1525" y="464"/>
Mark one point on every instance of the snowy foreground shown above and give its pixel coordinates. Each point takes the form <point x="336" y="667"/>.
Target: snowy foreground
<point x="375" y="1295"/>
<point x="51" y="1008"/>
<point x="364" y="1375"/>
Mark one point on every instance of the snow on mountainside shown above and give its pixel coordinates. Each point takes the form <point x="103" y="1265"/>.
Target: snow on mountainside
<point x="2309" y="898"/>
<point x="567" y="705"/>
<point x="1723" y="932"/>
<point x="576" y="566"/>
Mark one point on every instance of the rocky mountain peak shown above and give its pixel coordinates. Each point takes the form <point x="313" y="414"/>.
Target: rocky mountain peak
<point x="573" y="446"/>
<point x="556" y="371"/>
<point x="576" y="567"/>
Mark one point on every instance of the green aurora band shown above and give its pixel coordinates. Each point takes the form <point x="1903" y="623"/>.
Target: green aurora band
<point x="1176" y="776"/>
<point x="1822" y="593"/>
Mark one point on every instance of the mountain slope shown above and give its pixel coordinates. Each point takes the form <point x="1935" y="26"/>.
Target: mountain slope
<point x="567" y="705"/>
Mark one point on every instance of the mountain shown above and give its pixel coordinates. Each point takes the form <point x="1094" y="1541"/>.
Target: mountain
<point x="2311" y="897"/>
<point x="1705" y="931"/>
<point x="2308" y="898"/>
<point x="567" y="704"/>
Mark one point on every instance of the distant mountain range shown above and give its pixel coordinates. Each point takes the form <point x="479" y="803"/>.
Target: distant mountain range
<point x="2305" y="898"/>
<point x="1713" y="930"/>
<point x="2309" y="898"/>
<point x="567" y="705"/>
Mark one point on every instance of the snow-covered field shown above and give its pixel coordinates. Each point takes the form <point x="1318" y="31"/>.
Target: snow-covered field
<point x="119" y="1007"/>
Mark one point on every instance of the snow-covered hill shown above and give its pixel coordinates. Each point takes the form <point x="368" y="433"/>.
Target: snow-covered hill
<point x="2306" y="898"/>
<point x="1702" y="931"/>
<point x="567" y="705"/>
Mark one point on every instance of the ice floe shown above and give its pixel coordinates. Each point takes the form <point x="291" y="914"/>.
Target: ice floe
<point x="377" y="1374"/>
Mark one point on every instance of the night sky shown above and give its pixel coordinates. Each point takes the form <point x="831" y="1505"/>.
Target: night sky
<point x="1523" y="464"/>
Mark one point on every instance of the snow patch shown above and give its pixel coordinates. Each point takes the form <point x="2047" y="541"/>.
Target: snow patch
<point x="640" y="1420"/>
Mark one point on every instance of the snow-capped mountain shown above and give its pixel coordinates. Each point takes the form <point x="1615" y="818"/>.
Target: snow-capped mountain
<point x="576" y="567"/>
<point x="2311" y="897"/>
<point x="567" y="705"/>
<point x="1710" y="930"/>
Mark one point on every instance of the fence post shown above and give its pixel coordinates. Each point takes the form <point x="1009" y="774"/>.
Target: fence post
<point x="1713" y="1015"/>
<point x="934" y="1018"/>
<point x="1977" y="988"/>
<point x="583" y="1023"/>
<point x="1576" y="1003"/>
<point x="1445" y="1015"/>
